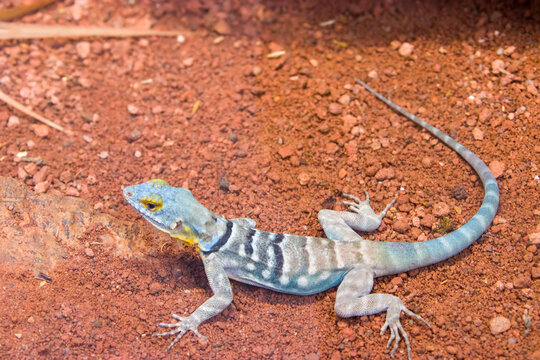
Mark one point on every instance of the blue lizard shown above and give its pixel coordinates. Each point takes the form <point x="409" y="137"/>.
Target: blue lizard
<point x="305" y="265"/>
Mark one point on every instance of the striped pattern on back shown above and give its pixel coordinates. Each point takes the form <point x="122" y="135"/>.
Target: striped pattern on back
<point x="287" y="263"/>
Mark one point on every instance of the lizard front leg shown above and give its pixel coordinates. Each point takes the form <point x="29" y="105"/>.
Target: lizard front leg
<point x="354" y="299"/>
<point x="220" y="285"/>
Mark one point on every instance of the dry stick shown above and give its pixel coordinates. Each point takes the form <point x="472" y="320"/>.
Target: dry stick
<point x="24" y="109"/>
<point x="9" y="31"/>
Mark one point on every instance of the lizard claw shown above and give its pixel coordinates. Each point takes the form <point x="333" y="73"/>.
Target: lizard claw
<point x="392" y="322"/>
<point x="183" y="325"/>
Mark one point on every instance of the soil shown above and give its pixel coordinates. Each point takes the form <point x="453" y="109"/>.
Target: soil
<point x="276" y="139"/>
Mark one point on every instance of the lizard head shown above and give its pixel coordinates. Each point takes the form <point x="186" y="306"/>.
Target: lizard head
<point x="172" y="210"/>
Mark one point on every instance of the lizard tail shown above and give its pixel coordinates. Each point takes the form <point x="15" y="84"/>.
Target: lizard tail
<point x="397" y="257"/>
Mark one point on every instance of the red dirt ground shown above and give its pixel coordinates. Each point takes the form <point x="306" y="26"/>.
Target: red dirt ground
<point x="277" y="140"/>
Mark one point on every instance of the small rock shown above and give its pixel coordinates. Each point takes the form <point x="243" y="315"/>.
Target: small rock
<point x="335" y="109"/>
<point x="134" y="135"/>
<point x="332" y="148"/>
<point x="428" y="221"/>
<point x="373" y="74"/>
<point x="71" y="191"/>
<point x="478" y="134"/>
<point x="222" y="28"/>
<point x="89" y="252"/>
<point x="509" y="50"/>
<point x="286" y="151"/>
<point x="303" y="178"/>
<point x="40" y="130"/>
<point x="406" y="49"/>
<point x="499" y="325"/>
<point x="188" y="62"/>
<point x="41" y="175"/>
<point x="452" y="350"/>
<point x="256" y="70"/>
<point x="397" y="281"/>
<point x="459" y="192"/>
<point x="497" y="168"/>
<point x="65" y="176"/>
<point x="13" y="121"/>
<point x="522" y="281"/>
<point x="83" y="49"/>
<point x="484" y="115"/>
<point x="535" y="272"/>
<point x="155" y="287"/>
<point x="441" y="209"/>
<point x="497" y="66"/>
<point x="394" y="44"/>
<point x="534" y="238"/>
<point x="531" y="88"/>
<point x="348" y="333"/>
<point x="344" y="99"/>
<point x="132" y="109"/>
<point x="224" y="184"/>
<point x="342" y="173"/>
<point x="203" y="342"/>
<point x="384" y="174"/>
<point x="401" y="226"/>
<point x="103" y="155"/>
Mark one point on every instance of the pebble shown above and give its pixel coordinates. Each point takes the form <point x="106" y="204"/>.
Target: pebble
<point x="89" y="252"/>
<point x="478" y="134"/>
<point x="428" y="221"/>
<point x="535" y="272"/>
<point x="344" y="99"/>
<point x="103" y="155"/>
<point x="522" y="281"/>
<point x="373" y="74"/>
<point x="395" y="44"/>
<point x="256" y="70"/>
<point x="41" y="187"/>
<point x="41" y="175"/>
<point x="406" y="49"/>
<point x="534" y="238"/>
<point x="331" y="148"/>
<point x="303" y="178"/>
<point x="497" y="66"/>
<point x="401" y="226"/>
<point x="459" y="192"/>
<point x="40" y="130"/>
<point x="132" y="109"/>
<point x="13" y="121"/>
<point x="484" y="115"/>
<point x="441" y="209"/>
<point x="286" y="151"/>
<point x="348" y="333"/>
<point x="155" y="287"/>
<point x="499" y="325"/>
<point x="335" y="109"/>
<point x="222" y="27"/>
<point x="188" y="62"/>
<point x="497" y="168"/>
<point x="134" y="135"/>
<point x="83" y="49"/>
<point x="509" y="50"/>
<point x="384" y="174"/>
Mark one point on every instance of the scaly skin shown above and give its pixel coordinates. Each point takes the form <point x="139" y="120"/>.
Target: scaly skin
<point x="305" y="265"/>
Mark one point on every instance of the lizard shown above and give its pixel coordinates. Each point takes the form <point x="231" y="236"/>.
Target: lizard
<point x="305" y="265"/>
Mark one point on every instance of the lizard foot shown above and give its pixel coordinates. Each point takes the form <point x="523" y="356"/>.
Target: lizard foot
<point x="183" y="325"/>
<point x="392" y="322"/>
<point x="362" y="207"/>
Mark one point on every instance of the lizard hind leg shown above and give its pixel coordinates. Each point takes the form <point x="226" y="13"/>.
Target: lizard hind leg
<point x="354" y="299"/>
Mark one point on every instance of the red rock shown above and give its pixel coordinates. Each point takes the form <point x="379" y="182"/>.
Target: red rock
<point x="497" y="168"/>
<point x="335" y="109"/>
<point x="406" y="49"/>
<point x="499" y="325"/>
<point x="401" y="226"/>
<point x="40" y="130"/>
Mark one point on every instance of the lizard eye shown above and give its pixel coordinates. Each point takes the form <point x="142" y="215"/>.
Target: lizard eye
<point x="152" y="203"/>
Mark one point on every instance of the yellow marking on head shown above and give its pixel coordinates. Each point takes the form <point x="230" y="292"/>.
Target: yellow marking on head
<point x="152" y="202"/>
<point x="158" y="183"/>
